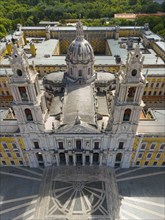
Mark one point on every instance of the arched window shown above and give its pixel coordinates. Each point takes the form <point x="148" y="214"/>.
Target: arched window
<point x="28" y="114"/>
<point x="23" y="94"/>
<point x="118" y="157"/>
<point x="80" y="73"/>
<point x="131" y="93"/>
<point x="127" y="115"/>
<point x="71" y="71"/>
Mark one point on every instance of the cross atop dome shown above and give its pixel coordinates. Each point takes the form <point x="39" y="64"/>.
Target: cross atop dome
<point x="79" y="31"/>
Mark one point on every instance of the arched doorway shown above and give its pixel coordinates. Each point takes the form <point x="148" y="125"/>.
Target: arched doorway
<point x="118" y="159"/>
<point x="40" y="158"/>
<point x="62" y="158"/>
<point x="96" y="158"/>
<point x="79" y="159"/>
<point x="70" y="159"/>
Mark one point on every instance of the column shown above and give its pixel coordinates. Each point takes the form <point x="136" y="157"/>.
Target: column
<point x="83" y="159"/>
<point x="66" y="158"/>
<point x="101" y="157"/>
<point x="74" y="159"/>
<point x="91" y="159"/>
<point x="57" y="159"/>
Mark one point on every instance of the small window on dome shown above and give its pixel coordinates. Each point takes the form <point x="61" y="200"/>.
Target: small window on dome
<point x="19" y="72"/>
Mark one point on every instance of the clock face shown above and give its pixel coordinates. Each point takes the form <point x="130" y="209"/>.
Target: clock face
<point x="31" y="127"/>
<point x="125" y="127"/>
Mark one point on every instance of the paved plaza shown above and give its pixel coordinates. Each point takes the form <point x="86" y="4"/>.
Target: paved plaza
<point x="81" y="193"/>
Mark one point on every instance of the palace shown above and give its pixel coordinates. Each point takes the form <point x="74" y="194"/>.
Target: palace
<point x="100" y="104"/>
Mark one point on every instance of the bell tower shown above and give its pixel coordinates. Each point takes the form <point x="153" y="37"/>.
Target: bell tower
<point x="127" y="101"/>
<point x="29" y="101"/>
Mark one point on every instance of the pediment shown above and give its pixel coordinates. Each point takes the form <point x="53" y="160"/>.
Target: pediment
<point x="78" y="128"/>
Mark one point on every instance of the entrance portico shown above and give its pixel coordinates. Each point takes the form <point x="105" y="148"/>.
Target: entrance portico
<point x="78" y="158"/>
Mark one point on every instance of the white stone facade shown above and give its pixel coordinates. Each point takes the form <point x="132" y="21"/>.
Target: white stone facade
<point x="50" y="141"/>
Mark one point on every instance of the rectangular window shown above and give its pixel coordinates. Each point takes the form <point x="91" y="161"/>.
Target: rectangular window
<point x="36" y="145"/>
<point x="5" y="146"/>
<point x="158" y="155"/>
<point x="60" y="145"/>
<point x="12" y="162"/>
<point x="143" y="146"/>
<point x="96" y="145"/>
<point x="152" y="146"/>
<point x="155" y="163"/>
<point x="17" y="154"/>
<point x="162" y="147"/>
<point x="20" y="162"/>
<point x="140" y="155"/>
<point x="9" y="154"/>
<point x="4" y="162"/>
<point x="146" y="163"/>
<point x="149" y="155"/>
<point x="138" y="163"/>
<point x="121" y="145"/>
<point x="14" y="146"/>
<point x="0" y="155"/>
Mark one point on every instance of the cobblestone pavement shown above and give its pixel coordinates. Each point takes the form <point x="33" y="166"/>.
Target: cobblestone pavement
<point x="81" y="194"/>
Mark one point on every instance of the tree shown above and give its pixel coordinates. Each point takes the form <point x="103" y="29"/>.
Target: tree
<point x="158" y="27"/>
<point x="3" y="31"/>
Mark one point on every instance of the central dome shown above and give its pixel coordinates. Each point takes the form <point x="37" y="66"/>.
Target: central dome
<point x="80" y="51"/>
<point x="80" y="57"/>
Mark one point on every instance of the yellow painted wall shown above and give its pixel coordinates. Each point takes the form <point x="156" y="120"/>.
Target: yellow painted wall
<point x="153" y="89"/>
<point x="9" y="141"/>
<point x="148" y="140"/>
<point x="126" y="33"/>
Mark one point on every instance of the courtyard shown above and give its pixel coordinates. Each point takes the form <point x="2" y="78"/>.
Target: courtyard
<point x="77" y="192"/>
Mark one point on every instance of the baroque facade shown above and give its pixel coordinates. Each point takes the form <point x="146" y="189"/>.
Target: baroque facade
<point x="81" y="116"/>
